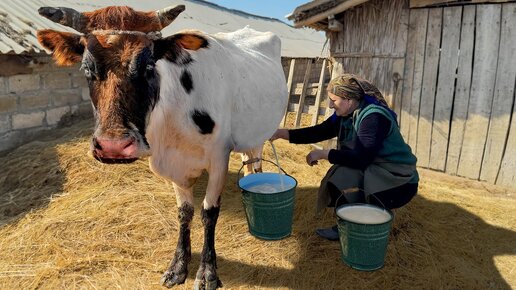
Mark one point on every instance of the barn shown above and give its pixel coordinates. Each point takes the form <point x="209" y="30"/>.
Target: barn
<point x="446" y="66"/>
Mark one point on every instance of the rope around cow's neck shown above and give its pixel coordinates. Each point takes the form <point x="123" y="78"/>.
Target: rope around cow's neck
<point x="153" y="35"/>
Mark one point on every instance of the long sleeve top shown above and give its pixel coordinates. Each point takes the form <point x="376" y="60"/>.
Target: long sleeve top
<point x="369" y="138"/>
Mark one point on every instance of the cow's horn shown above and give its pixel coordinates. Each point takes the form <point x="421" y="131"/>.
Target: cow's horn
<point x="65" y="16"/>
<point x="167" y="15"/>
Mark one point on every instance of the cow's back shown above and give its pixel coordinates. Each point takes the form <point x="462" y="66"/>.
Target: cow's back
<point x="260" y="95"/>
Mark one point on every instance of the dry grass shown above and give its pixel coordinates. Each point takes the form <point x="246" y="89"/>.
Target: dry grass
<point x="69" y="222"/>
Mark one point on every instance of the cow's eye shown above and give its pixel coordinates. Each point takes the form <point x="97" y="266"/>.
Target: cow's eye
<point x="87" y="73"/>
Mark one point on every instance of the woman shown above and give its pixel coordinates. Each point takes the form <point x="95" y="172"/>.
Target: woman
<point x="372" y="163"/>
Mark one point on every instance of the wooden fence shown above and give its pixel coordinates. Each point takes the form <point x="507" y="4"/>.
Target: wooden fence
<point x="307" y="79"/>
<point x="457" y="104"/>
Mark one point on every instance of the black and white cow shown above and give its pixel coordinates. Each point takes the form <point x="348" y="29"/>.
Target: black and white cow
<point x="186" y="101"/>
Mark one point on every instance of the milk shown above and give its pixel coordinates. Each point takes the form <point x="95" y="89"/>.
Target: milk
<point x="266" y="188"/>
<point x="363" y="214"/>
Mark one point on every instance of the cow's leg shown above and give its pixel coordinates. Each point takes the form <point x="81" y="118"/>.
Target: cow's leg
<point x="206" y="277"/>
<point x="252" y="160"/>
<point x="178" y="268"/>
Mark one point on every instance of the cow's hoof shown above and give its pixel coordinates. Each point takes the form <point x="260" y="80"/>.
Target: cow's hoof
<point x="202" y="284"/>
<point x="169" y="279"/>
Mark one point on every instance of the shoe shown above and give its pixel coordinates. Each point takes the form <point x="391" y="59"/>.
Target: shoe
<point x="331" y="234"/>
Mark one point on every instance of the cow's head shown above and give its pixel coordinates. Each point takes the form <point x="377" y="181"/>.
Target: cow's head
<point x="118" y="49"/>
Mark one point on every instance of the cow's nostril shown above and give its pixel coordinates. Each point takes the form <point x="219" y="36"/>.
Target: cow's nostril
<point x="130" y="142"/>
<point x="96" y="144"/>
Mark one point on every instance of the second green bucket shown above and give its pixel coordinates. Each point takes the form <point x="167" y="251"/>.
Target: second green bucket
<point x="363" y="231"/>
<point x="269" y="215"/>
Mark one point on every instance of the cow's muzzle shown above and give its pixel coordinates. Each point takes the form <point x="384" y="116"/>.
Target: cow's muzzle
<point x="115" y="150"/>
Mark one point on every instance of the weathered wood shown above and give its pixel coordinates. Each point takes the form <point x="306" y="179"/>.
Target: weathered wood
<point x="289" y="87"/>
<point x="425" y="3"/>
<point x="462" y="89"/>
<point x="320" y="92"/>
<point x="368" y="55"/>
<point x="335" y="10"/>
<point x="507" y="174"/>
<point x="398" y="65"/>
<point x="445" y="86"/>
<point x="503" y="100"/>
<point x="484" y="73"/>
<point x="408" y="75"/>
<point x="303" y="93"/>
<point x="419" y="63"/>
<point x="426" y="110"/>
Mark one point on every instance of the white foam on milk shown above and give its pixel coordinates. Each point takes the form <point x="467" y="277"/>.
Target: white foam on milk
<point x="363" y="214"/>
<point x="265" y="188"/>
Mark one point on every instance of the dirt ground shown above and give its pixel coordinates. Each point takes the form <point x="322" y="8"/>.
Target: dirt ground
<point x="69" y="222"/>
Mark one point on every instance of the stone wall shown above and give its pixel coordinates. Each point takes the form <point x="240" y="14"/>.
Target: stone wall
<point x="47" y="97"/>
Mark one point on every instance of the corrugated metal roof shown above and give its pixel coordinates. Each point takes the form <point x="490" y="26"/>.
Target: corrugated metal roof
<point x="19" y="21"/>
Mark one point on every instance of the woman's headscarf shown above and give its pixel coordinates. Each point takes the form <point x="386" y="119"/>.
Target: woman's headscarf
<point x="350" y="86"/>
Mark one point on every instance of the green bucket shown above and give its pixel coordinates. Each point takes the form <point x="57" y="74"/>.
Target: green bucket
<point x="364" y="232"/>
<point x="269" y="213"/>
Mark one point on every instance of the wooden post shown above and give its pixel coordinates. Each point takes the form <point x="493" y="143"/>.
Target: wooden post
<point x="303" y="93"/>
<point x="289" y="88"/>
<point x="320" y="90"/>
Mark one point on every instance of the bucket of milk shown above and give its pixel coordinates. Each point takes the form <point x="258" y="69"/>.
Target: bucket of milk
<point x="363" y="232"/>
<point x="269" y="204"/>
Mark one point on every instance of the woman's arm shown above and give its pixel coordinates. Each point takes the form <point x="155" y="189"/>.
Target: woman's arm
<point x="370" y="136"/>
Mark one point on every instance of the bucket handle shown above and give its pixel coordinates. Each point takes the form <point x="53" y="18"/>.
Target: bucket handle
<point x="367" y="202"/>
<point x="244" y="163"/>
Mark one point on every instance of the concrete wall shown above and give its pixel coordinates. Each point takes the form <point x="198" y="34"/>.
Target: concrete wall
<point x="47" y="97"/>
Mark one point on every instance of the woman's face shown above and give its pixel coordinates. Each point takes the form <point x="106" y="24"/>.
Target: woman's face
<point x="342" y="106"/>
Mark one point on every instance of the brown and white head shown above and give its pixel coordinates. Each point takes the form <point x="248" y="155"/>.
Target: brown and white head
<point x="118" y="50"/>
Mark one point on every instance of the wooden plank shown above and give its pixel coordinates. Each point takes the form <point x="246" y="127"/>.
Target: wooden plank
<point x="462" y="89"/>
<point x="482" y="86"/>
<point x="398" y="65"/>
<point x="425" y="3"/>
<point x="408" y="74"/>
<point x="324" y="15"/>
<point x="426" y="110"/>
<point x="448" y="63"/>
<point x="289" y="88"/>
<point x="503" y="92"/>
<point x="507" y="174"/>
<point x="417" y="82"/>
<point x="303" y="93"/>
<point x="320" y="92"/>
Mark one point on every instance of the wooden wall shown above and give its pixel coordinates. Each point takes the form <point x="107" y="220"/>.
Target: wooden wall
<point x="449" y="73"/>
<point x="458" y="95"/>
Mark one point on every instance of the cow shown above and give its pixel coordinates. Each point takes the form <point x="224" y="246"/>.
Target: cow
<point x="186" y="101"/>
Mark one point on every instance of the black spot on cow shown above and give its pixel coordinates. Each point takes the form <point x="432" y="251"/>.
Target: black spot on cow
<point x="203" y="121"/>
<point x="186" y="81"/>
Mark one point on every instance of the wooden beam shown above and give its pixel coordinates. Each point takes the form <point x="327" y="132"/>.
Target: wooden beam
<point x="434" y="3"/>
<point x="303" y="93"/>
<point x="289" y="88"/>
<point x="320" y="91"/>
<point x="366" y="55"/>
<point x="333" y="11"/>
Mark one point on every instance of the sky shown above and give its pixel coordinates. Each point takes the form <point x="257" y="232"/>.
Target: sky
<point x="268" y="8"/>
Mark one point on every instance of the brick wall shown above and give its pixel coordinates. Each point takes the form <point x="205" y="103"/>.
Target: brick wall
<point x="32" y="103"/>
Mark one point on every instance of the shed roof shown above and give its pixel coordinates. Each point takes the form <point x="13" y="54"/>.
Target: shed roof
<point x="315" y="13"/>
<point x="19" y="21"/>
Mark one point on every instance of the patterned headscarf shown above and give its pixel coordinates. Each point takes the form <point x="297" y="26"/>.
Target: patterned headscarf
<point x="350" y="86"/>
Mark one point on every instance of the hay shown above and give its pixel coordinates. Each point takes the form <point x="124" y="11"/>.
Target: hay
<point x="68" y="222"/>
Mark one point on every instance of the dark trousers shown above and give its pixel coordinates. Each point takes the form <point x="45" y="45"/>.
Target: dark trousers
<point x="391" y="198"/>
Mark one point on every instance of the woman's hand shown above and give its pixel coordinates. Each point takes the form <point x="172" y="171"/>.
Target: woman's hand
<point x="280" y="134"/>
<point x="316" y="155"/>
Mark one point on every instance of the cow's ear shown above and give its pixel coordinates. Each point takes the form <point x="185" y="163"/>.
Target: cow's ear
<point x="174" y="48"/>
<point x="66" y="47"/>
<point x="191" y="41"/>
